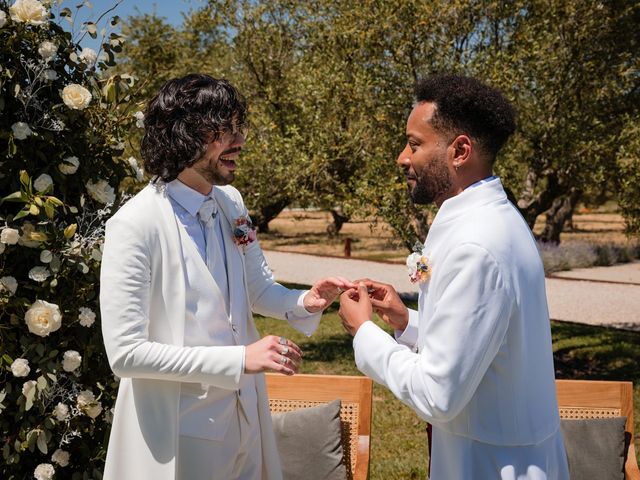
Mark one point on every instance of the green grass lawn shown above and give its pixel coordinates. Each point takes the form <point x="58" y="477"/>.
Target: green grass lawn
<point x="399" y="447"/>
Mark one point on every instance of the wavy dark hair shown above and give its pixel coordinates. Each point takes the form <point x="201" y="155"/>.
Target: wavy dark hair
<point x="185" y="115"/>
<point x="465" y="105"/>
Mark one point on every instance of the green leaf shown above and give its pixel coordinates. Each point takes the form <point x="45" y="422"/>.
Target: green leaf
<point x="22" y="213"/>
<point x="49" y="210"/>
<point x="30" y="396"/>
<point x="42" y="442"/>
<point x="41" y="383"/>
<point x="40" y="349"/>
<point x="14" y="197"/>
<point x="24" y="178"/>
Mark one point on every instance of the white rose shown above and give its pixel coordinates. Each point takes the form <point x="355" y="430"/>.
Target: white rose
<point x="9" y="236"/>
<point x="51" y="75"/>
<point x="60" y="457"/>
<point x="69" y="165"/>
<point x="139" y="119"/>
<point x="28" y="11"/>
<point x="9" y="284"/>
<point x="86" y="317"/>
<point x="39" y="274"/>
<point x="101" y="191"/>
<point x="43" y="183"/>
<point x="71" y="360"/>
<point x="46" y="256"/>
<point x="21" y="130"/>
<point x="3" y="18"/>
<point x="20" y="367"/>
<point x="28" y="386"/>
<point x="43" y="318"/>
<point x="93" y="410"/>
<point x="44" y="471"/>
<point x="47" y="50"/>
<point x="88" y="56"/>
<point x="61" y="412"/>
<point x="76" y="96"/>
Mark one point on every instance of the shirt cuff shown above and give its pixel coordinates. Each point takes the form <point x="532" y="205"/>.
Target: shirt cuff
<point x="409" y="336"/>
<point x="301" y="319"/>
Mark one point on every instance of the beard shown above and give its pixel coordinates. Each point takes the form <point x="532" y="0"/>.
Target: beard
<point x="432" y="182"/>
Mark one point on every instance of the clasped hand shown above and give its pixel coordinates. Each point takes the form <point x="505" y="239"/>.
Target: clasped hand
<point x="358" y="304"/>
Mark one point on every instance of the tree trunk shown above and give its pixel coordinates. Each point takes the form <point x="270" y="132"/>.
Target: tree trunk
<point x="339" y="219"/>
<point x="530" y="204"/>
<point x="558" y="215"/>
<point x="268" y="212"/>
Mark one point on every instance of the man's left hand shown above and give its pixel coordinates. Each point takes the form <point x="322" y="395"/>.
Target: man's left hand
<point x="324" y="292"/>
<point x="355" y="308"/>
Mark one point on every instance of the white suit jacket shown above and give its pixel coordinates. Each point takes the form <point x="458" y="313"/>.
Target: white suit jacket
<point x="142" y="299"/>
<point x="479" y="362"/>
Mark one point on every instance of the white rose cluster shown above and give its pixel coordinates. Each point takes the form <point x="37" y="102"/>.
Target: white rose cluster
<point x="28" y="11"/>
<point x="21" y="130"/>
<point x="47" y="50"/>
<point x="8" y="284"/>
<point x="101" y="191"/>
<point x="39" y="274"/>
<point x="44" y="471"/>
<point x="88" y="56"/>
<point x="43" y="318"/>
<point x="10" y="236"/>
<point x="87" y="403"/>
<point x="20" y="367"/>
<point x="76" y="97"/>
<point x="61" y="412"/>
<point x="86" y="317"/>
<point x="71" y="360"/>
<point x="69" y="165"/>
<point x="61" y="457"/>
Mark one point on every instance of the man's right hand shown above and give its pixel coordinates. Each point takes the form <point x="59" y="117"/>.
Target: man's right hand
<point x="387" y="303"/>
<point x="268" y="354"/>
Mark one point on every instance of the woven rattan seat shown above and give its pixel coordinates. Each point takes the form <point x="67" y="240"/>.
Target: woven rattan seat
<point x="303" y="391"/>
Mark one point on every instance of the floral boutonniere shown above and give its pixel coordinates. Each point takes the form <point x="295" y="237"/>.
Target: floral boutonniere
<point x="243" y="231"/>
<point x="418" y="264"/>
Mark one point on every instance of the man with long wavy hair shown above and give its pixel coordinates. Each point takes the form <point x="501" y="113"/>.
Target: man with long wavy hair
<point x="181" y="273"/>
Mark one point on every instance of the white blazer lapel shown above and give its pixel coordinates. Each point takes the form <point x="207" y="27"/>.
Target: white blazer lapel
<point x="172" y="285"/>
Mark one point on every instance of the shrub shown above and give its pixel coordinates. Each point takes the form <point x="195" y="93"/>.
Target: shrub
<point x="566" y="256"/>
<point x="61" y="128"/>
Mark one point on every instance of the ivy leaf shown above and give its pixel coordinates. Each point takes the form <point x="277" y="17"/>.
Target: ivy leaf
<point x="42" y="442"/>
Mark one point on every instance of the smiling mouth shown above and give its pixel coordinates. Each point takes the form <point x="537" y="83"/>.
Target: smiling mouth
<point x="228" y="158"/>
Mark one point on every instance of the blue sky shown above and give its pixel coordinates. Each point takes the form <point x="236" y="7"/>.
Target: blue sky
<point x="169" y="9"/>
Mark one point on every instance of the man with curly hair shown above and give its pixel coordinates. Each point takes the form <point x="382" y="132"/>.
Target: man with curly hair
<point x="475" y="360"/>
<point x="181" y="273"/>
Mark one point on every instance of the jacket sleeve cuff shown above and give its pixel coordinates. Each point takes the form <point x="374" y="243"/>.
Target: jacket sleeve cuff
<point x="301" y="319"/>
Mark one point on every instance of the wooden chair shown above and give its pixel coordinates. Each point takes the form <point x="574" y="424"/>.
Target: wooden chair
<point x="582" y="399"/>
<point x="302" y="391"/>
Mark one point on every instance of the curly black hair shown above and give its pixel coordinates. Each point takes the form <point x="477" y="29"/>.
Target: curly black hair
<point x="465" y="105"/>
<point x="185" y="115"/>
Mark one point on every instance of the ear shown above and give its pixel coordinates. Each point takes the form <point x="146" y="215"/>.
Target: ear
<point x="462" y="148"/>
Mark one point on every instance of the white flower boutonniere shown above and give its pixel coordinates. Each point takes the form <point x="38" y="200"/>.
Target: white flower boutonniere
<point x="243" y="231"/>
<point x="418" y="264"/>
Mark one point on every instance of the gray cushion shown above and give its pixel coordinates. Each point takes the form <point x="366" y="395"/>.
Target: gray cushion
<point x="595" y="448"/>
<point x="309" y="443"/>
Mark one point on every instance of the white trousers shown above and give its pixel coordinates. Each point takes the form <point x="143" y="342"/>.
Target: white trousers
<point x="238" y="456"/>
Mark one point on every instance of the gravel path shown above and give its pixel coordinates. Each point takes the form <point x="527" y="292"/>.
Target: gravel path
<point x="591" y="300"/>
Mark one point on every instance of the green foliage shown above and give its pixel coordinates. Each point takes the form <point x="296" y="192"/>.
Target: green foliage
<point x="61" y="138"/>
<point x="330" y="86"/>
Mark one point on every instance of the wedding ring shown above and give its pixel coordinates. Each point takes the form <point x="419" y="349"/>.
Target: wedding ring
<point x="283" y="341"/>
<point x="283" y="360"/>
<point x="285" y="350"/>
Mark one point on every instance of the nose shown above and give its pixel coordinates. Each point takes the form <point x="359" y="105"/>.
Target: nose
<point x="404" y="159"/>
